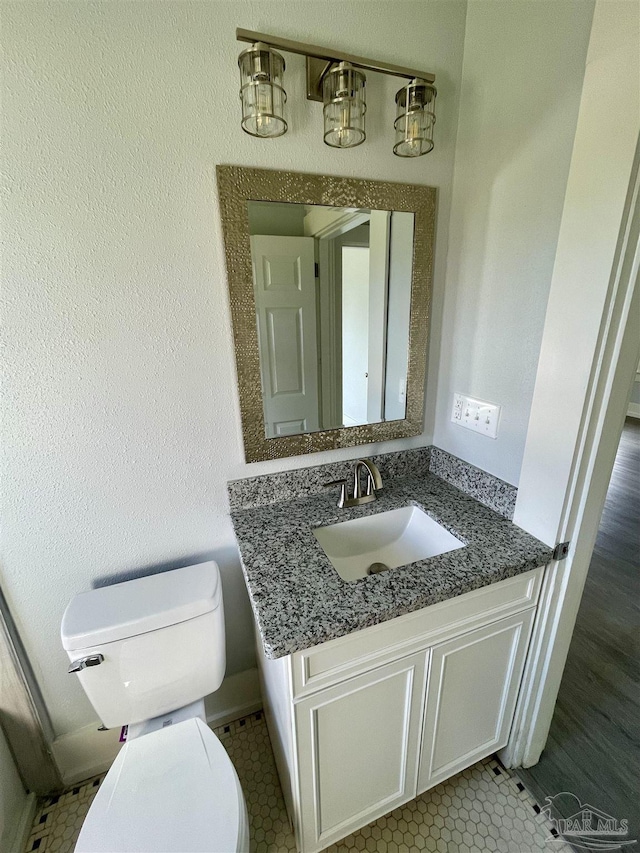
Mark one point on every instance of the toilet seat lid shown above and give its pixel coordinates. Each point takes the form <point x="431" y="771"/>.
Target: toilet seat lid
<point x="171" y="790"/>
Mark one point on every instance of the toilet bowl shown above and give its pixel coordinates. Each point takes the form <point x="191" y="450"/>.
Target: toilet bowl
<point x="146" y="652"/>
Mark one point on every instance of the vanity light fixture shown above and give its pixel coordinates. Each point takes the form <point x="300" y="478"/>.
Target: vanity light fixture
<point x="415" y="119"/>
<point x="336" y="79"/>
<point x="344" y="106"/>
<point x="261" y="91"/>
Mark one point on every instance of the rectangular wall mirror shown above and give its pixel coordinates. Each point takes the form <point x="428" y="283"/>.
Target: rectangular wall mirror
<point x="329" y="283"/>
<point x="332" y="287"/>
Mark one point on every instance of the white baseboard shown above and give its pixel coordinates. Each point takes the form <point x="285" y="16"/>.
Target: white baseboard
<point x="88" y="752"/>
<point x="25" y="823"/>
<point x="85" y="752"/>
<point x="238" y="696"/>
<point x="634" y="410"/>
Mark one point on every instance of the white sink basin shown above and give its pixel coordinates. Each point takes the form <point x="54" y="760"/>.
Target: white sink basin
<point x="393" y="538"/>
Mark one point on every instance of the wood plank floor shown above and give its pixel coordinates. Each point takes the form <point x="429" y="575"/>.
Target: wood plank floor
<point x="593" y="749"/>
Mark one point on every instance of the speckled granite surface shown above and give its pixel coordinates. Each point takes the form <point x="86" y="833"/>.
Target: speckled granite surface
<point x="286" y="485"/>
<point x="297" y="596"/>
<point x="484" y="487"/>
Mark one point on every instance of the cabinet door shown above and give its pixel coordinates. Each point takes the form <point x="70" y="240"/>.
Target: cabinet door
<point x="473" y="687"/>
<point x="358" y="745"/>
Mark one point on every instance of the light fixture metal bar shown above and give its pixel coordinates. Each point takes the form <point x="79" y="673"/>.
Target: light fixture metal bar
<point x="329" y="57"/>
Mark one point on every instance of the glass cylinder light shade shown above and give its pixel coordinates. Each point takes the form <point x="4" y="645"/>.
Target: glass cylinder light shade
<point x="344" y="106"/>
<point x="415" y="118"/>
<point x="261" y="92"/>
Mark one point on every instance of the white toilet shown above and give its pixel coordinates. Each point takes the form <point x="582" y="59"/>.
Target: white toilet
<point x="147" y="652"/>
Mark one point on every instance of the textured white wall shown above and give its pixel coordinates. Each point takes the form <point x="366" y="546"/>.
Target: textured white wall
<point x="522" y="79"/>
<point x="123" y="423"/>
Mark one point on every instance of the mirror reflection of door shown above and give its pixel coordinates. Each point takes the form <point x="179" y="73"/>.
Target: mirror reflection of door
<point x="285" y="291"/>
<point x="333" y="291"/>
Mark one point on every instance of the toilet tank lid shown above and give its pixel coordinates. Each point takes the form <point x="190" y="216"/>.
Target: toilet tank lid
<point x="137" y="606"/>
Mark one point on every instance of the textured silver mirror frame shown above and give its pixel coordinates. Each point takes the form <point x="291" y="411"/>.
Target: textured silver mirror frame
<point x="236" y="186"/>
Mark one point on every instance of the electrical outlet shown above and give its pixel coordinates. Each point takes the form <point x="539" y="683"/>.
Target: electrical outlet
<point x="475" y="415"/>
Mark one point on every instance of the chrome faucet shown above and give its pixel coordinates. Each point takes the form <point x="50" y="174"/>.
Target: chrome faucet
<point x="372" y="487"/>
<point x="374" y="480"/>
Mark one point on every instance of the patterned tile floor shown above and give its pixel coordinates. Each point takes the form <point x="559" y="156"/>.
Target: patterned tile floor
<point x="482" y="809"/>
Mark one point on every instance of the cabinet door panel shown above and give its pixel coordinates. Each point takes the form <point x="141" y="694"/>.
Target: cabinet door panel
<point x="358" y="749"/>
<point x="473" y="687"/>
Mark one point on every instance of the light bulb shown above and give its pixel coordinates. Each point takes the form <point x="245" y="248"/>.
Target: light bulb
<point x="264" y="106"/>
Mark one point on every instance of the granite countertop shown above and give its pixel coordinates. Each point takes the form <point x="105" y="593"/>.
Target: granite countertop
<point x="298" y="598"/>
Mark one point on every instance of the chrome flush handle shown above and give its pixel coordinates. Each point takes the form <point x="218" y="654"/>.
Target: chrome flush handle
<point x="83" y="663"/>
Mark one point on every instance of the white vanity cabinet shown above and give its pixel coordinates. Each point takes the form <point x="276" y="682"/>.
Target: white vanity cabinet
<point x="471" y="696"/>
<point x="358" y="745"/>
<point x="364" y="723"/>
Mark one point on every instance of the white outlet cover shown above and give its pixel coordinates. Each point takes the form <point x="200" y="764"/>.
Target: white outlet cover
<point x="475" y="415"/>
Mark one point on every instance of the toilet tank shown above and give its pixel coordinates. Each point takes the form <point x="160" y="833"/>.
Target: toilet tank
<point x="161" y="638"/>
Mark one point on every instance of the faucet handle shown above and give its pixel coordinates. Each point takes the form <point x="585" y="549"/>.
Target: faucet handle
<point x="343" y="490"/>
